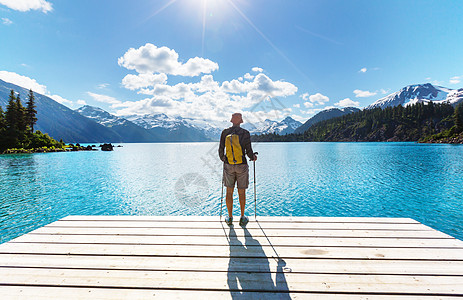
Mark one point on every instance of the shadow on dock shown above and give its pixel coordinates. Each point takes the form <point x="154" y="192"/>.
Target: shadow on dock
<point x="249" y="270"/>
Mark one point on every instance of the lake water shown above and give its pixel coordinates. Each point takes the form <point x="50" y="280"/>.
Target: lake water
<point x="423" y="182"/>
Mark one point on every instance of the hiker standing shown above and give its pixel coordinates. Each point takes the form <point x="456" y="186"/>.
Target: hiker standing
<point x="235" y="143"/>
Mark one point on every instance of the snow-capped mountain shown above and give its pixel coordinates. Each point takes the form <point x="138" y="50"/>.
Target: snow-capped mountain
<point x="177" y="125"/>
<point x="157" y="121"/>
<point x="128" y="131"/>
<point x="286" y="126"/>
<point x="420" y="93"/>
<point x="147" y="128"/>
<point x="101" y="116"/>
<point x="325" y="115"/>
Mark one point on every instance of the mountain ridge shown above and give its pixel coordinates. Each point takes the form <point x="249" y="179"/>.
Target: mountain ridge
<point x="59" y="121"/>
<point x="419" y="93"/>
<point x="325" y="115"/>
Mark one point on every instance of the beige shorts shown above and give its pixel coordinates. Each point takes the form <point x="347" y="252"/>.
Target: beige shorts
<point x="236" y="173"/>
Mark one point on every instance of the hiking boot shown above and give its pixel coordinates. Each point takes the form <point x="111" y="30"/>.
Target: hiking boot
<point x="244" y="220"/>
<point x="229" y="221"/>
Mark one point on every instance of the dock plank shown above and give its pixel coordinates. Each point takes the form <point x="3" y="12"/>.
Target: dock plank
<point x="139" y="257"/>
<point x="261" y="219"/>
<point x="251" y="225"/>
<point x="255" y="232"/>
<point x="248" y="241"/>
<point x="213" y="280"/>
<point x="35" y="292"/>
<point x="327" y="266"/>
<point x="236" y="251"/>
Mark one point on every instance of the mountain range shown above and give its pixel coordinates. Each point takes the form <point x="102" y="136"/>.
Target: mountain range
<point x="89" y="124"/>
<point x="285" y="126"/>
<point x="420" y="93"/>
<point x="325" y="115"/>
<point x="59" y="121"/>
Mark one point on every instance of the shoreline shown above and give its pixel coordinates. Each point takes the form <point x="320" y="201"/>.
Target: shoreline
<point x="70" y="148"/>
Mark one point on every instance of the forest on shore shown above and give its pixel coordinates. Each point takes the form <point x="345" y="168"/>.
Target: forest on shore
<point x="17" y="133"/>
<point x="421" y="122"/>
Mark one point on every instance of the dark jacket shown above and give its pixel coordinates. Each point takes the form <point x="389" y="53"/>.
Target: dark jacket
<point x="245" y="142"/>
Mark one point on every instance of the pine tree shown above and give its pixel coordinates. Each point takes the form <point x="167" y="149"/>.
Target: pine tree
<point x="21" y="115"/>
<point x="11" y="136"/>
<point x="10" y="115"/>
<point x="31" y="119"/>
<point x="2" y="120"/>
<point x="3" y="138"/>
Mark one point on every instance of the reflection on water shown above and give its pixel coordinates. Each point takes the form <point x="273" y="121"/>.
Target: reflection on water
<point x="422" y="182"/>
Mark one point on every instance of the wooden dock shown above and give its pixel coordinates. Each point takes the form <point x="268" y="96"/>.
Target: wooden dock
<point x="138" y="257"/>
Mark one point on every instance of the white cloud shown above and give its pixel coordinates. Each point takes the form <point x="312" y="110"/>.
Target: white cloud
<point x="297" y="105"/>
<point x="455" y="80"/>
<point x="60" y="99"/>
<point x="257" y="70"/>
<point x="6" y="21"/>
<point x="23" y="81"/>
<point x="81" y="102"/>
<point x="363" y="70"/>
<point x="305" y="96"/>
<point x="102" y="86"/>
<point x="318" y="99"/>
<point x="383" y="91"/>
<point x="204" y="99"/>
<point x="151" y="59"/>
<point x="312" y="100"/>
<point x="309" y="104"/>
<point x="26" y="5"/>
<point x="347" y="103"/>
<point x="363" y="94"/>
<point x="32" y="84"/>
<point x="261" y="86"/>
<point x="134" y="82"/>
<point x="256" y="117"/>
<point x="104" y="98"/>
<point x="207" y="99"/>
<point x="312" y="111"/>
<point x="248" y="76"/>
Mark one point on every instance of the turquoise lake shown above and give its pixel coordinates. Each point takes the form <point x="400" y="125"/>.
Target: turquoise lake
<point x="423" y="182"/>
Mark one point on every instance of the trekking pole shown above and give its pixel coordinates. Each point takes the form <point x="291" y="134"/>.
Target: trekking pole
<point x="221" y="199"/>
<point x="255" y="197"/>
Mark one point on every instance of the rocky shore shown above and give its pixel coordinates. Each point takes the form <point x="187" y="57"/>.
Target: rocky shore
<point x="455" y="139"/>
<point x="66" y="148"/>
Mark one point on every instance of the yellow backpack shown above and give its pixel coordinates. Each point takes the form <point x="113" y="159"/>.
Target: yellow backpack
<point x="233" y="149"/>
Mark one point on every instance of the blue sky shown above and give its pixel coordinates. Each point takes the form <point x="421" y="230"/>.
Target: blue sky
<point x="195" y="58"/>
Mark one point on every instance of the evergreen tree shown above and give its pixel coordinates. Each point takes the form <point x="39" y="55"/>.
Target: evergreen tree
<point x="20" y="115"/>
<point x="10" y="115"/>
<point x="31" y="119"/>
<point x="2" y="130"/>
<point x="458" y="117"/>
<point x="2" y="120"/>
<point x="16" y="126"/>
<point x="11" y="132"/>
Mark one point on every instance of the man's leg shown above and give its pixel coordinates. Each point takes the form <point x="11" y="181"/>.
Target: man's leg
<point x="229" y="201"/>
<point x="242" y="196"/>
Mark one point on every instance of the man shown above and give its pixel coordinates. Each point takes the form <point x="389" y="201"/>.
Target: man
<point x="235" y="144"/>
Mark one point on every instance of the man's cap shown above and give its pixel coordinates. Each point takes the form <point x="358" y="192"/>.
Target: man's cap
<point x="236" y="118"/>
